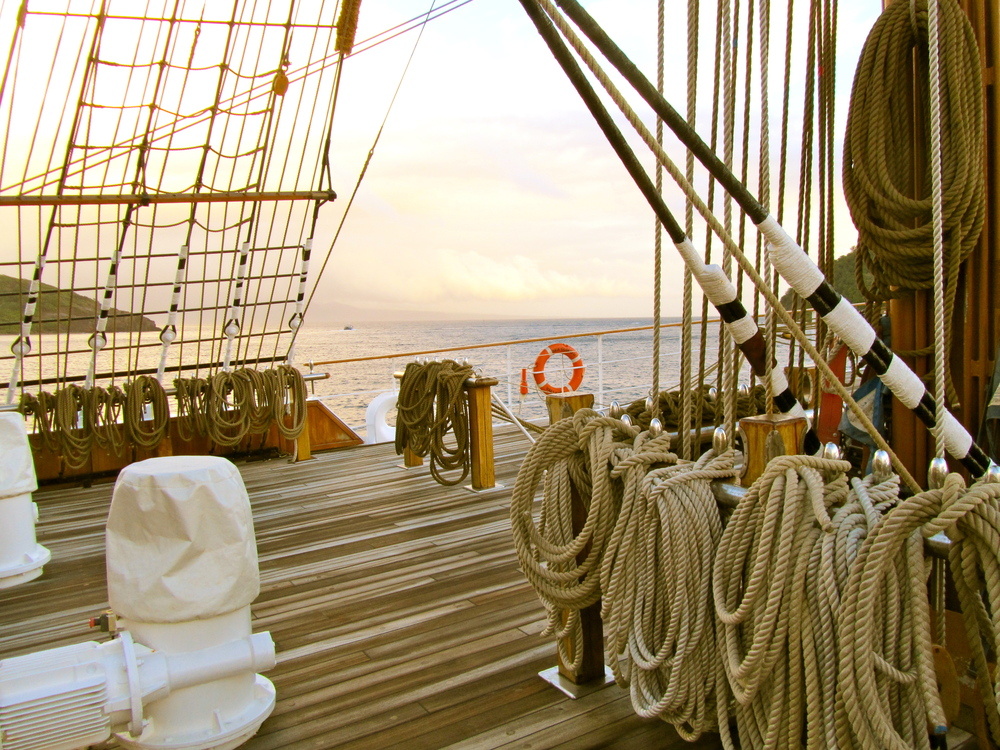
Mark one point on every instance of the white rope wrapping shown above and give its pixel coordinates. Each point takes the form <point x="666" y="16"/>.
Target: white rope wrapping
<point x="231" y="327"/>
<point x="791" y="261"/>
<point x="169" y="332"/>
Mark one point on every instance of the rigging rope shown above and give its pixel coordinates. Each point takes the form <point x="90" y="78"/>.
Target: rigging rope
<point x="431" y="404"/>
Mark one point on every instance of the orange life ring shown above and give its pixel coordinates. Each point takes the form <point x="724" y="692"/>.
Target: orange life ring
<point x="543" y="358"/>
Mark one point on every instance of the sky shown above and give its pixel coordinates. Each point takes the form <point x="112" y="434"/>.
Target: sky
<point x="492" y="192"/>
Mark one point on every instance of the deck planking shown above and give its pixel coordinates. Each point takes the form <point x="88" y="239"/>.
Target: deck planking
<point x="398" y="612"/>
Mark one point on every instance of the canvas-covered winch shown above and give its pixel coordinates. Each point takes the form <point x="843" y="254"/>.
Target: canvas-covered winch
<point x="21" y="556"/>
<point x="181" y="671"/>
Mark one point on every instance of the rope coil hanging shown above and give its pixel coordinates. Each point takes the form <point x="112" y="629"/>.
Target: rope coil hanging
<point x="895" y="230"/>
<point x="430" y="405"/>
<point x="656" y="584"/>
<point x="561" y="564"/>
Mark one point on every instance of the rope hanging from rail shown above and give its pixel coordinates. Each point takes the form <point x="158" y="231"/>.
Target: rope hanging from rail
<point x="231" y="405"/>
<point x="432" y="404"/>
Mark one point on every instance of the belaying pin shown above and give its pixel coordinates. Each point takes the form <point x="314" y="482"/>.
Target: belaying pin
<point x="720" y="440"/>
<point x="936" y="473"/>
<point x="626" y="420"/>
<point x="881" y="466"/>
<point x="831" y="451"/>
<point x="615" y="410"/>
<point x="655" y="427"/>
<point x="992" y="473"/>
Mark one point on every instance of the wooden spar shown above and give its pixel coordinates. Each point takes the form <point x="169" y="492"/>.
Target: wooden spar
<point x="147" y="199"/>
<point x="713" y="281"/>
<point x="789" y="259"/>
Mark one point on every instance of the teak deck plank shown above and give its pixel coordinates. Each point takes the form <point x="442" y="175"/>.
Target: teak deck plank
<point x="398" y="612"/>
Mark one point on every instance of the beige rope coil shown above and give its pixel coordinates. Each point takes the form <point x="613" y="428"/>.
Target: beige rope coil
<point x="287" y="396"/>
<point x="228" y="408"/>
<point x="142" y="392"/>
<point x="562" y="565"/>
<point x="887" y="688"/>
<point x="103" y="417"/>
<point x="759" y="589"/>
<point x="431" y="404"/>
<point x="656" y="579"/>
<point x="895" y="231"/>
<point x="971" y="519"/>
<point x="192" y="412"/>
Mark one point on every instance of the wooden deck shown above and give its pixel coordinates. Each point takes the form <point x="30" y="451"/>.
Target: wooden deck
<point x="398" y="612"/>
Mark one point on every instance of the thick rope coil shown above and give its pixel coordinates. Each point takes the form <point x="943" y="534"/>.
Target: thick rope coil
<point x="142" y="392"/>
<point x="227" y="408"/>
<point x="711" y="408"/>
<point x="41" y="410"/>
<point x="563" y="565"/>
<point x="830" y="560"/>
<point x="103" y="418"/>
<point x="895" y="231"/>
<point x="971" y="520"/>
<point x="656" y="578"/>
<point x="75" y="441"/>
<point x="192" y="412"/>
<point x="287" y="395"/>
<point x="432" y="403"/>
<point x="759" y="592"/>
<point x="887" y="694"/>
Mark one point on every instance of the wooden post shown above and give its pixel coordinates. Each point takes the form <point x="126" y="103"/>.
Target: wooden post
<point x="562" y="405"/>
<point x="756" y="431"/>
<point x="411" y="459"/>
<point x="481" y="432"/>
<point x="592" y="666"/>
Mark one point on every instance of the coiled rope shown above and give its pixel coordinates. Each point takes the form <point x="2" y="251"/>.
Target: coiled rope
<point x="705" y="402"/>
<point x="143" y="392"/>
<point x="895" y="231"/>
<point x="231" y="405"/>
<point x="656" y="581"/>
<point x="759" y="580"/>
<point x="562" y="564"/>
<point x="431" y="404"/>
<point x="887" y="694"/>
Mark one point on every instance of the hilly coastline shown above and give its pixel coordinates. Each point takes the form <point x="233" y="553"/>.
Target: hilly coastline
<point x="60" y="311"/>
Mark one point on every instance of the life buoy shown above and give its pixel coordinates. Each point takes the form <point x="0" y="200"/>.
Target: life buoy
<point x="543" y="358"/>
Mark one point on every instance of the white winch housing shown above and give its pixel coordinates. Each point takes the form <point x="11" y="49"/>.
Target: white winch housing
<point x="21" y="556"/>
<point x="182" y="673"/>
<point x="378" y="429"/>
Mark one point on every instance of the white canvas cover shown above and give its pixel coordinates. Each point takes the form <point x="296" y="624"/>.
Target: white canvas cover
<point x="180" y="541"/>
<point x="17" y="470"/>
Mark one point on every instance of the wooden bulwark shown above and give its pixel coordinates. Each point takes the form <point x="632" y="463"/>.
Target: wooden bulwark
<point x="398" y="612"/>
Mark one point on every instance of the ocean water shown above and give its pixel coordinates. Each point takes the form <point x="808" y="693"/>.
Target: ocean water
<point x="618" y="363"/>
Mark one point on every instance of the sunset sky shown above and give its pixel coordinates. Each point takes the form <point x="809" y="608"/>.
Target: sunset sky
<point x="492" y="191"/>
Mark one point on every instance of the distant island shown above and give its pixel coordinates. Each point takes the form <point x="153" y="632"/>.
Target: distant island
<point x="60" y="311"/>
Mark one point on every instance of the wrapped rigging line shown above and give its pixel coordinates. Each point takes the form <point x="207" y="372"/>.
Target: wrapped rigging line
<point x="431" y="404"/>
<point x="656" y="578"/>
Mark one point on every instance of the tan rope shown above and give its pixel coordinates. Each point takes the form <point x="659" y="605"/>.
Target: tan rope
<point x="895" y="231"/>
<point x="659" y="623"/>
<point x="431" y="404"/>
<point x="562" y="565"/>
<point x="141" y="393"/>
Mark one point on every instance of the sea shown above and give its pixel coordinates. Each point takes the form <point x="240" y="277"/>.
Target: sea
<point x="618" y="361"/>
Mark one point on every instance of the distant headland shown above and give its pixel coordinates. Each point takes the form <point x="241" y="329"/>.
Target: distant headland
<point x="60" y="311"/>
